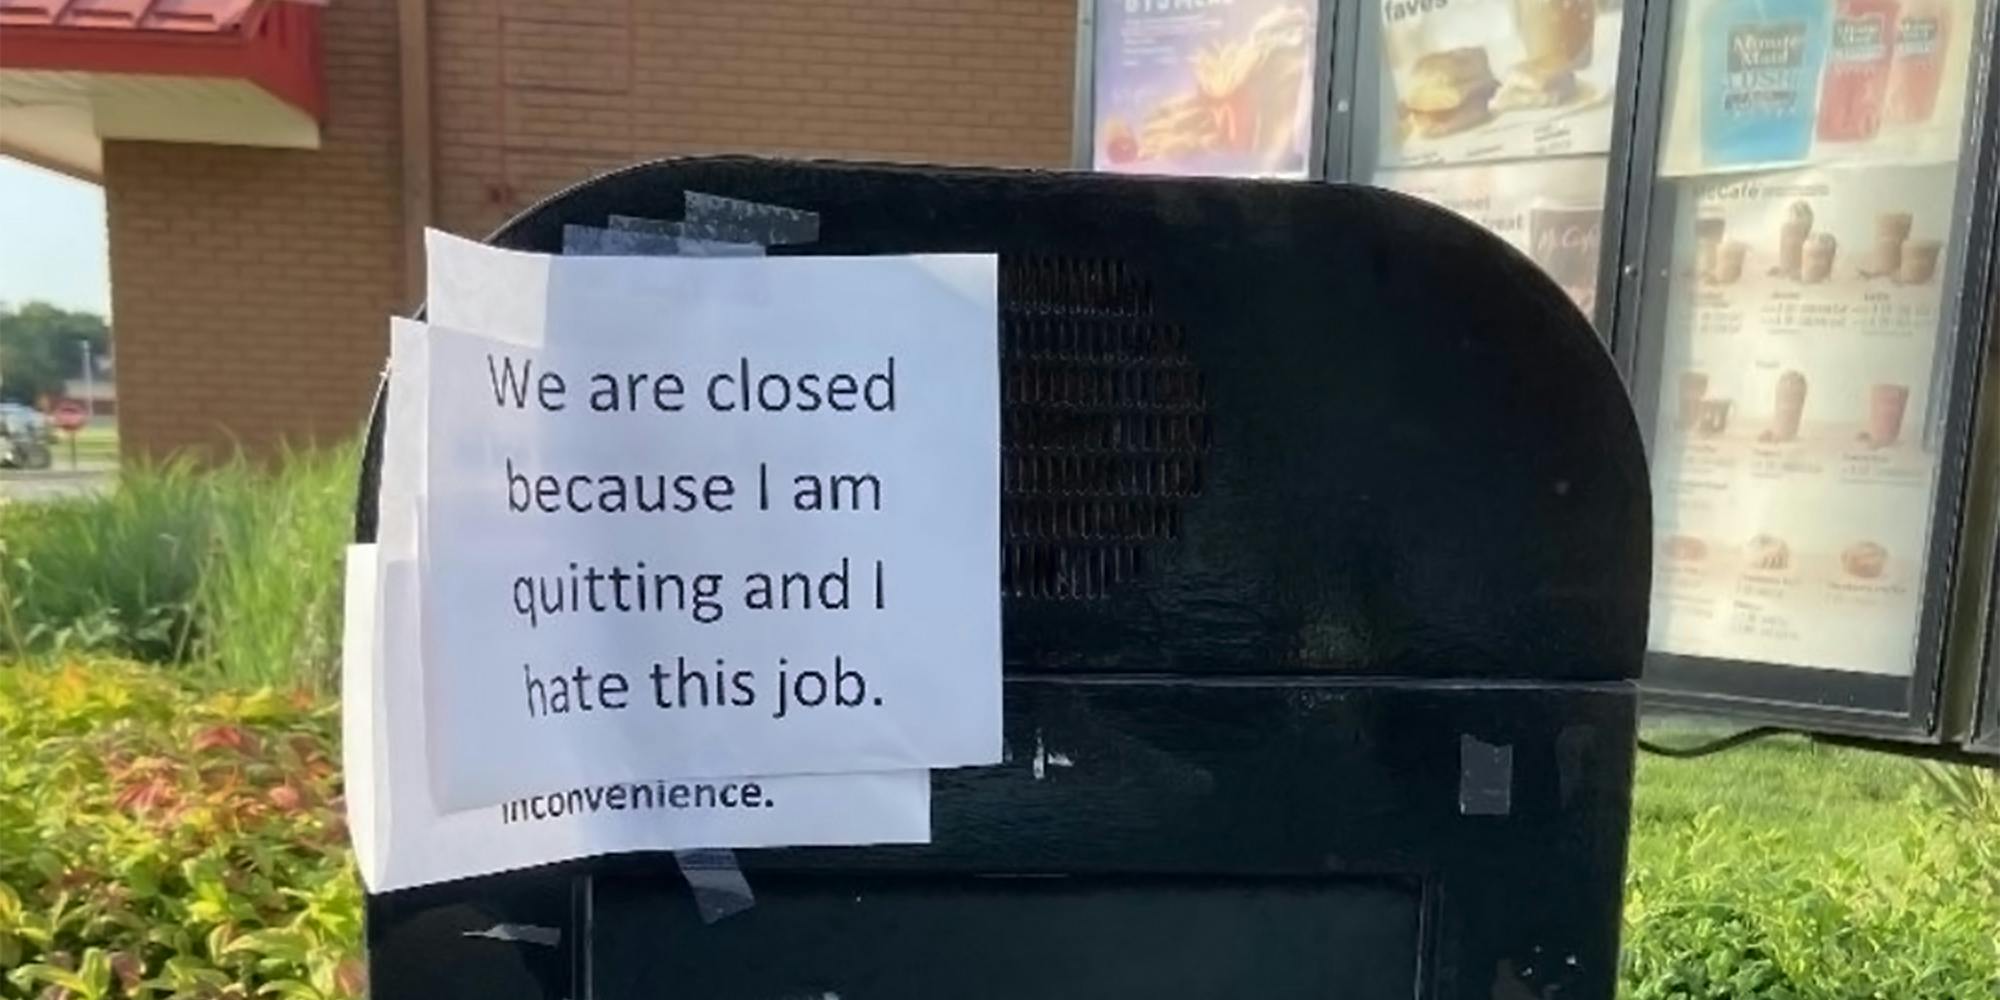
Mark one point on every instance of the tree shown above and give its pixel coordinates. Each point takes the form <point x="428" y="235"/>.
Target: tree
<point x="41" y="347"/>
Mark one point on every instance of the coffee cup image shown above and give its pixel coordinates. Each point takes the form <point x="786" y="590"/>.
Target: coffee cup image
<point x="1820" y="252"/>
<point x="1729" y="259"/>
<point x="1884" y="419"/>
<point x="1788" y="405"/>
<point x="1919" y="262"/>
<point x="1892" y="230"/>
<point x="1714" y="418"/>
<point x="1694" y="388"/>
<point x="1792" y="235"/>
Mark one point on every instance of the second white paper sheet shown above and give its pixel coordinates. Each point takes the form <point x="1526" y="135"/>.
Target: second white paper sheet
<point x="403" y="838"/>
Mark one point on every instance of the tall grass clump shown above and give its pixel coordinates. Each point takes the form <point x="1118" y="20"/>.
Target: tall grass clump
<point x="269" y="599"/>
<point x="233" y="567"/>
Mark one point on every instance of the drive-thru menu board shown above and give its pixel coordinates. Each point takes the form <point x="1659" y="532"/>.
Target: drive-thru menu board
<point x="1791" y="467"/>
<point x="1810" y="162"/>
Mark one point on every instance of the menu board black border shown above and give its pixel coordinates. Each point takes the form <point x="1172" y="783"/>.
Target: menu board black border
<point x="1986" y="724"/>
<point x="1905" y="708"/>
<point x="1985" y="637"/>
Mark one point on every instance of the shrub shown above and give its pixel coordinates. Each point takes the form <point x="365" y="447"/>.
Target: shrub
<point x="158" y="841"/>
<point x="1822" y="892"/>
<point x="236" y="567"/>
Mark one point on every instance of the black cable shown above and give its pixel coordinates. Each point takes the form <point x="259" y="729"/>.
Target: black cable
<point x="1730" y="742"/>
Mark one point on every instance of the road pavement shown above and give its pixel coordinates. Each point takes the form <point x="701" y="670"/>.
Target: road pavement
<point x="18" y="485"/>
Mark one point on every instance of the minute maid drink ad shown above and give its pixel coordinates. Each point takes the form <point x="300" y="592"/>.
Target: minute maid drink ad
<point x="1763" y="84"/>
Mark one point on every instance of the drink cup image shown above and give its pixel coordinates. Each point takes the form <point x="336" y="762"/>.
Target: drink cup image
<point x="1820" y="251"/>
<point x="1886" y="402"/>
<point x="1788" y="405"/>
<point x="1729" y="261"/>
<point x="1694" y="386"/>
<point x="1556" y="31"/>
<point x="1707" y="241"/>
<point x="1892" y="229"/>
<point x="1714" y="417"/>
<point x="1792" y="241"/>
<point x="1919" y="263"/>
<point x="1791" y="249"/>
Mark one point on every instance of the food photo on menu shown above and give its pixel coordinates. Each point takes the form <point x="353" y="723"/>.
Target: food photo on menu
<point x="1204" y="89"/>
<point x="1472" y="80"/>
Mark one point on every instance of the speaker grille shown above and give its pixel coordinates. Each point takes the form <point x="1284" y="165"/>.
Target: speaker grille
<point x="1104" y="425"/>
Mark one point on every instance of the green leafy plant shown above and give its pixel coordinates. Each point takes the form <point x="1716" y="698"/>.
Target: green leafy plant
<point x="1790" y="872"/>
<point x="162" y="839"/>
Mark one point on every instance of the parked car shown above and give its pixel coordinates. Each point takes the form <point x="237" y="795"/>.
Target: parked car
<point x="24" y="438"/>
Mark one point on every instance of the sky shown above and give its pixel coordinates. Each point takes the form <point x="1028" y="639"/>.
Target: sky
<point x="52" y="239"/>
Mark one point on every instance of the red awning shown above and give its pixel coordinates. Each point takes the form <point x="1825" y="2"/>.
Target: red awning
<point x="125" y="15"/>
<point x="238" y="72"/>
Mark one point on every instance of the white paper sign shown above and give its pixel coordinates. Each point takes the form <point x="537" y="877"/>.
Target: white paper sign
<point x="402" y="840"/>
<point x="708" y="517"/>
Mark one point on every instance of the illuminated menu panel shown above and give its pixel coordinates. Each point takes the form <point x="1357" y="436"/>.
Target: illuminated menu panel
<point x="1810" y="160"/>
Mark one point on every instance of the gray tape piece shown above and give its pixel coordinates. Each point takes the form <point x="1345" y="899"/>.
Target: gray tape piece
<point x="547" y="937"/>
<point x="720" y="890"/>
<point x="719" y="887"/>
<point x="710" y="231"/>
<point x="1485" y="777"/>
<point x="590" y="241"/>
<point x="773" y="225"/>
<point x="1573" y="749"/>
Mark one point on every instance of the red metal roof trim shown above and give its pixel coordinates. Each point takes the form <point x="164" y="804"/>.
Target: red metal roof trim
<point x="126" y="15"/>
<point x="270" y="43"/>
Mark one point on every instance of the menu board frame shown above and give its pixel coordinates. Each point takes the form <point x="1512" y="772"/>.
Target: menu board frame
<point x="1909" y="708"/>
<point x="1985" y="736"/>
<point x="1331" y="14"/>
<point x="1979" y="641"/>
<point x="1952" y="695"/>
<point x="1986" y="728"/>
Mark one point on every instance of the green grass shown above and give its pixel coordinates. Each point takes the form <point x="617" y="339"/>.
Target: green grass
<point x="234" y="568"/>
<point x="1783" y="782"/>
<point x="1786" y="870"/>
<point x="95" y="443"/>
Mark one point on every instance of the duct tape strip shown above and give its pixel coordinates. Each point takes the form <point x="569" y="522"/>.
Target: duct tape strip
<point x="712" y="874"/>
<point x="589" y="241"/>
<point x="710" y="231"/>
<point x="720" y="890"/>
<point x="1485" y="777"/>
<point x="772" y="225"/>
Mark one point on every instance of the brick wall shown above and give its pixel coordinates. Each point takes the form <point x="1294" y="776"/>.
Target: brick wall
<point x="251" y="287"/>
<point x="533" y="95"/>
